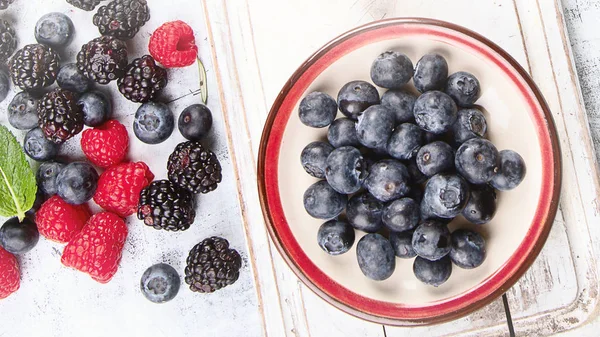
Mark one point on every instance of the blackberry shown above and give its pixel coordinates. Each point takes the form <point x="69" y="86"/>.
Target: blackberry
<point x="212" y="265"/>
<point x="60" y="118"/>
<point x="122" y="18"/>
<point x="86" y="5"/>
<point x="194" y="168"/>
<point x="163" y="205"/>
<point x="8" y="41"/>
<point x="34" y="67"/>
<point x="143" y="80"/>
<point x="103" y="59"/>
<point x="5" y="3"/>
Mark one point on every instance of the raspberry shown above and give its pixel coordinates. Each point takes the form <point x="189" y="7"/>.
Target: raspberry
<point x="98" y="248"/>
<point x="10" y="274"/>
<point x="105" y="145"/>
<point x="119" y="187"/>
<point x="59" y="221"/>
<point x="173" y="45"/>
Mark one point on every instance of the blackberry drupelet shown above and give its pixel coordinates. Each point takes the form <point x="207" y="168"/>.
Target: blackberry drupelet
<point x="143" y="80"/>
<point x="86" y="5"/>
<point x="60" y="118"/>
<point x="212" y="265"/>
<point x="5" y="3"/>
<point x="194" y="168"/>
<point x="164" y="205"/>
<point x="34" y="67"/>
<point x="103" y="59"/>
<point x="122" y="18"/>
<point x="8" y="41"/>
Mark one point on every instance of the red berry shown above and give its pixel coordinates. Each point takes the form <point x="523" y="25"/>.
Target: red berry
<point x="173" y="45"/>
<point x="59" y="221"/>
<point x="10" y="274"/>
<point x="119" y="187"/>
<point x="98" y="248"/>
<point x="105" y="145"/>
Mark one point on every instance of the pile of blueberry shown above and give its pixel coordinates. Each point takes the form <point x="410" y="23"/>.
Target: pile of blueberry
<point x="402" y="166"/>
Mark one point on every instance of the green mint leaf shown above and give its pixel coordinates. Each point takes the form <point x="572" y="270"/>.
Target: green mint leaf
<point x="203" y="84"/>
<point x="17" y="181"/>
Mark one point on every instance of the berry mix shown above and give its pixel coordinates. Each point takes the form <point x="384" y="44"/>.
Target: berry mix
<point x="51" y="116"/>
<point x="404" y="165"/>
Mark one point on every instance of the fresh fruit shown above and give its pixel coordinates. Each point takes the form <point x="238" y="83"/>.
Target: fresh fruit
<point x="435" y="112"/>
<point x="342" y="132"/>
<point x="405" y="141"/>
<point x="434" y="158"/>
<point x="143" y="80"/>
<point x="212" y="265"/>
<point x="195" y="122"/>
<point x="401" y="102"/>
<point x="469" y="124"/>
<point x="77" y="182"/>
<point x="345" y="169"/>
<point x="105" y="145"/>
<point x="164" y="205"/>
<point x="468" y="249"/>
<point x="402" y="244"/>
<point x="10" y="273"/>
<point x="481" y="207"/>
<point x="446" y="194"/>
<point x="317" y="110"/>
<point x="98" y="248"/>
<point x="401" y="215"/>
<point x="375" y="126"/>
<point x="39" y="148"/>
<point x="60" y="118"/>
<point x="5" y="3"/>
<point x="314" y="158"/>
<point x="8" y="41"/>
<point x="55" y="30"/>
<point x="22" y="111"/>
<point x="86" y="5"/>
<point x="434" y="273"/>
<point x="364" y="212"/>
<point x="335" y="237"/>
<point x="4" y="84"/>
<point x="477" y="160"/>
<point x="464" y="88"/>
<point x="120" y="186"/>
<point x="321" y="201"/>
<point x="431" y="240"/>
<point x="173" y="45"/>
<point x="195" y="168"/>
<point x="34" y="67"/>
<point x="122" y="18"/>
<point x="19" y="237"/>
<point x="511" y="171"/>
<point x="59" y="221"/>
<point x="70" y="78"/>
<point x="154" y="123"/>
<point x="376" y="257"/>
<point x="46" y="176"/>
<point x="391" y="70"/>
<point x="103" y="59"/>
<point x="431" y="73"/>
<point x="96" y="108"/>
<point x="160" y="283"/>
<point x="355" y="97"/>
<point x="388" y="180"/>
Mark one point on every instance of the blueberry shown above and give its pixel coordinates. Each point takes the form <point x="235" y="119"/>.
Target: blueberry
<point x="314" y="158"/>
<point x="54" y="29"/>
<point x="376" y="257"/>
<point x="401" y="102"/>
<point x="446" y="195"/>
<point x="434" y="158"/>
<point x="70" y="78"/>
<point x="464" y="88"/>
<point x="96" y="107"/>
<point x="391" y="70"/>
<point x="335" y="237"/>
<point x="431" y="73"/>
<point x="77" y="182"/>
<point x="469" y="124"/>
<point x="37" y="147"/>
<point x="195" y="122"/>
<point x="346" y="169"/>
<point x="405" y="141"/>
<point x="153" y="123"/>
<point x="511" y="171"/>
<point x="468" y="249"/>
<point x="317" y="110"/>
<point x="402" y="244"/>
<point x="321" y="201"/>
<point x="342" y="132"/>
<point x="388" y="180"/>
<point x="375" y="127"/>
<point x="160" y="283"/>
<point x="355" y="97"/>
<point x="19" y="237"/>
<point x="416" y="176"/>
<point x="401" y="215"/>
<point x="22" y="111"/>
<point x="481" y="207"/>
<point x="4" y="84"/>
<point x="434" y="273"/>
<point x="364" y="212"/>
<point x="431" y="240"/>
<point x="46" y="176"/>
<point x="477" y="160"/>
<point x="435" y="112"/>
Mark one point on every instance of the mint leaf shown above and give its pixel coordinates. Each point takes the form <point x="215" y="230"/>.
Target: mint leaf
<point x="17" y="181"/>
